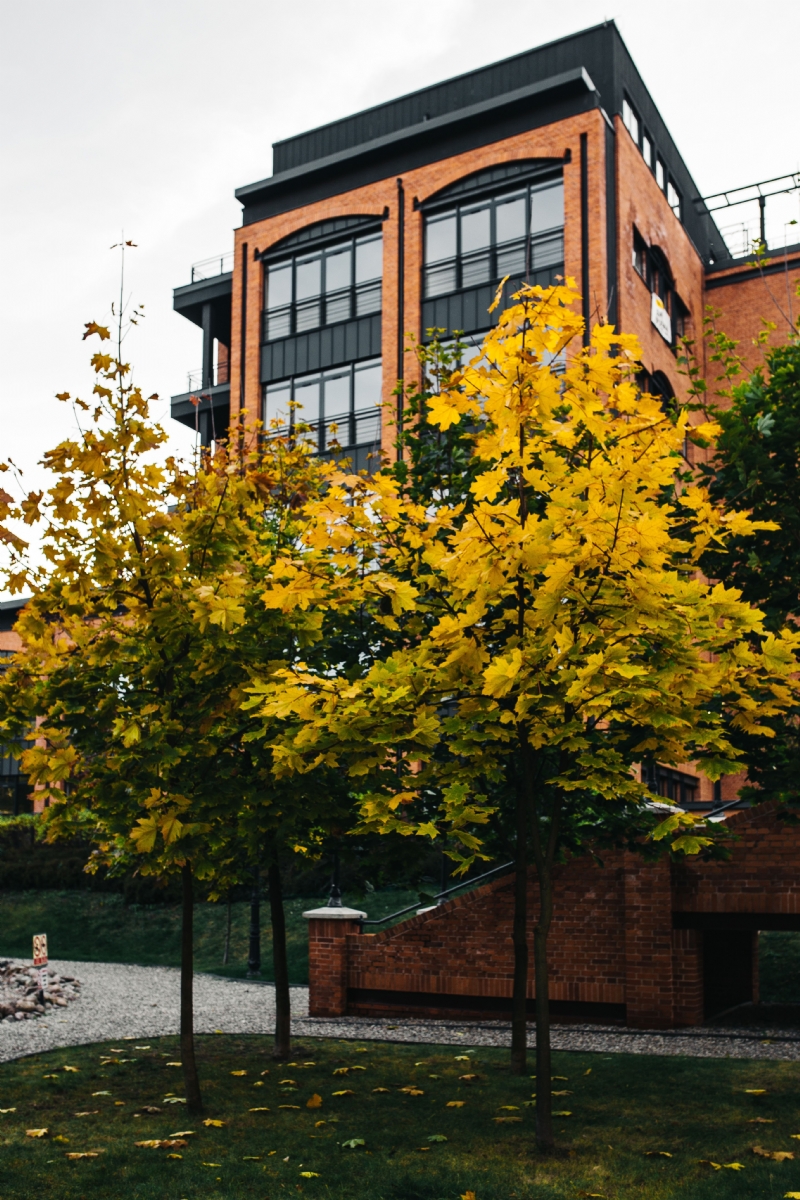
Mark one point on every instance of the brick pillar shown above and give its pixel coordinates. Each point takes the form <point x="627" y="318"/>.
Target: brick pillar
<point x="649" y="980"/>
<point x="687" y="961"/>
<point x="328" y="929"/>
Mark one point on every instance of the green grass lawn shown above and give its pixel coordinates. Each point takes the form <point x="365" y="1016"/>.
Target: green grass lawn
<point x="637" y="1127"/>
<point x="99" y="927"/>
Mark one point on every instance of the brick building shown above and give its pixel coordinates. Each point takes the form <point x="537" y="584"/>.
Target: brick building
<point x="652" y="945"/>
<point x="405" y="216"/>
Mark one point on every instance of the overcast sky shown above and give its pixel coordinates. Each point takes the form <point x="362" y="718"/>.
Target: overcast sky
<point x="145" y="116"/>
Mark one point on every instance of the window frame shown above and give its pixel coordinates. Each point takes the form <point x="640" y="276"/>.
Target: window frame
<point x="319" y="425"/>
<point x="363" y="299"/>
<point x="493" y="199"/>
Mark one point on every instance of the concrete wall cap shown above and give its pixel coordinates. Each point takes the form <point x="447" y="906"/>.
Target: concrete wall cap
<point x="334" y="914"/>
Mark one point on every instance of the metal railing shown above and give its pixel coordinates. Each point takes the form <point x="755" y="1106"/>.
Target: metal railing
<point x="439" y="896"/>
<point x="219" y="375"/>
<point x="209" y="268"/>
<point x="741" y="236"/>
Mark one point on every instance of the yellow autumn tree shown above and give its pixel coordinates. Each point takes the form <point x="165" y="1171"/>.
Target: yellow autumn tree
<point x="544" y="636"/>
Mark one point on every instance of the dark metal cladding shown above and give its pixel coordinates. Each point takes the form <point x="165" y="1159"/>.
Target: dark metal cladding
<point x="575" y="73"/>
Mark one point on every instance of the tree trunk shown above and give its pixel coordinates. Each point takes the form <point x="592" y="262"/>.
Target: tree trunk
<point x="283" y="1012"/>
<point x="519" y="1015"/>
<point x="194" y="1101"/>
<point x="544" y="1099"/>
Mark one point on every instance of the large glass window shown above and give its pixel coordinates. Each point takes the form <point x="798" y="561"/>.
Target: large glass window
<point x="336" y="410"/>
<point x="323" y="287"/>
<point x="519" y="233"/>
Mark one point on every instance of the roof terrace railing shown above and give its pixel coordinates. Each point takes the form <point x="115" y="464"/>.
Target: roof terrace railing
<point x="209" y="268"/>
<point x="741" y="236"/>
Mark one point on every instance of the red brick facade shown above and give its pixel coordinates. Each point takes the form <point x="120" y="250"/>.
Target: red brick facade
<point x="627" y="940"/>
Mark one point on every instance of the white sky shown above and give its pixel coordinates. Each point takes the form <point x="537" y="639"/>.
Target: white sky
<point x="145" y="116"/>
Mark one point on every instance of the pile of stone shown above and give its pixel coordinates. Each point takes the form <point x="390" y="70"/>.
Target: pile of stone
<point x="21" y="997"/>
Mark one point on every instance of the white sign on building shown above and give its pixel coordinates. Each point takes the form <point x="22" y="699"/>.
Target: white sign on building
<point x="660" y="317"/>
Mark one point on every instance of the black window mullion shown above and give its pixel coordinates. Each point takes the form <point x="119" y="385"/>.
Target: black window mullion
<point x="493" y="271"/>
<point x="459" y="270"/>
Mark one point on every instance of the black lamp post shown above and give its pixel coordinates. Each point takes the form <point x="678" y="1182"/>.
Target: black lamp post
<point x="254" y="955"/>
<point x="335" y="898"/>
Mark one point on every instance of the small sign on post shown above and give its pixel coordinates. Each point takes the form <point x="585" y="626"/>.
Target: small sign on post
<point x="40" y="958"/>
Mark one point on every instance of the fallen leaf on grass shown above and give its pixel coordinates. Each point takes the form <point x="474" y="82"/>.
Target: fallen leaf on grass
<point x="92" y="1113"/>
<point x="119" y="1103"/>
<point x="353" y="1143"/>
<point x="7" y="1110"/>
<point x="148" y="1108"/>
<point x="755" y="1091"/>
<point x="60" y="1138"/>
<point x="455" y="1104"/>
<point x="288" y="1082"/>
<point x="310" y="1174"/>
<point x="184" y="1133"/>
<point x="211" y="1164"/>
<point x="593" y="1195"/>
<point x="791" y="1196"/>
<point x="412" y="1091"/>
<point x="217" y="1124"/>
<point x="733" y="1166"/>
<point x="259" y="1110"/>
<point x="174" y="1100"/>
<point x="238" y="1072"/>
<point x="764" y="1121"/>
<point x="656" y="1153"/>
<point x="588" y="1072"/>
<point x="173" y="1155"/>
<point x="49" y="1077"/>
<point x="297" y="1106"/>
<point x="70" y="1068"/>
<point x="251" y="1158"/>
<point x="563" y="1093"/>
<point x="173" y="1064"/>
<point x="159" y="1143"/>
<point x="380" y="1089"/>
<point x="507" y="1120"/>
<point x="466" y="1078"/>
<point x="315" y="1101"/>
<point x="82" y="1154"/>
<point x="36" y="1132"/>
<point x="778" y="1155"/>
<point x="141" y="1047"/>
<point x="345" y="1092"/>
<point x="564" y="1077"/>
<point x="508" y="1107"/>
<point x="101" y="1093"/>
<point x="461" y="1058"/>
<point x="342" y="1071"/>
<point x="265" y="1072"/>
<point x="437" y="1137"/>
<point x="317" y="1125"/>
<point x="562" y="1114"/>
<point x="468" y="1196"/>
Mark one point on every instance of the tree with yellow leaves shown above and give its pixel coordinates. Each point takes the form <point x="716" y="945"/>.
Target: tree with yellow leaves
<point x="551" y="632"/>
<point x="145" y="623"/>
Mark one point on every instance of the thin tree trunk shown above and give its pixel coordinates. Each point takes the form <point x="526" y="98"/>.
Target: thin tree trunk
<point x="283" y="1012"/>
<point x="227" y="932"/>
<point x="194" y="1101"/>
<point x="543" y="858"/>
<point x="544" y="1099"/>
<point x="519" y="1014"/>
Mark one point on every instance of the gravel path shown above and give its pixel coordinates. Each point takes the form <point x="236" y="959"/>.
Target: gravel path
<point x="119" y="1001"/>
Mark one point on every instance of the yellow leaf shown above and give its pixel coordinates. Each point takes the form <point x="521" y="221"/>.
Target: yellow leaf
<point x="37" y="1133"/>
<point x="259" y="1110"/>
<point x="238" y="1072"/>
<point x="70" y="1069"/>
<point x="455" y="1104"/>
<point x="756" y="1091"/>
<point x="510" y="1120"/>
<point x="345" y="1092"/>
<point x="315" y="1101"/>
<point x="212" y="1121"/>
<point x="310" y="1174"/>
<point x="297" y="1106"/>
